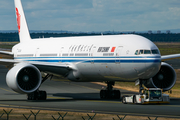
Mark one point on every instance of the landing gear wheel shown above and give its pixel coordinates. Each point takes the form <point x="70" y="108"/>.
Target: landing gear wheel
<point x="103" y="94"/>
<point x="109" y="93"/>
<point x="42" y="95"/>
<point x="117" y="94"/>
<point x="124" y="100"/>
<point x="37" y="95"/>
<point x="134" y="100"/>
<point x="32" y="96"/>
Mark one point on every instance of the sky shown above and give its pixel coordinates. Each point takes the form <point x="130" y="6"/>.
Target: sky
<point x="94" y="15"/>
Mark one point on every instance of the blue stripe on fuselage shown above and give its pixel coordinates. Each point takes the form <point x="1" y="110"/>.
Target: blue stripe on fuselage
<point x="139" y="59"/>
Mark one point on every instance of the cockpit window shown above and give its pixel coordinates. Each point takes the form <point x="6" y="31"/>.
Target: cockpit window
<point x="147" y="52"/>
<point x="136" y="53"/>
<point x="139" y="52"/>
<point x="155" y="52"/>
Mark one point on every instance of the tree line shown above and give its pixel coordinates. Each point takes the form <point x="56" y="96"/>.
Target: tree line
<point x="162" y="37"/>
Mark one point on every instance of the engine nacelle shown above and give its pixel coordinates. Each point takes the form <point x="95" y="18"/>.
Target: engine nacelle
<point x="164" y="79"/>
<point x="24" y="78"/>
<point x="74" y="75"/>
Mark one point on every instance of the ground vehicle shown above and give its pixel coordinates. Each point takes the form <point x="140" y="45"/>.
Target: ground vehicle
<point x="148" y="96"/>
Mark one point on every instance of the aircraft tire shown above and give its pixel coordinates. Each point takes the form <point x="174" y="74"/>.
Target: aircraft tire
<point x="134" y="100"/>
<point x="42" y="95"/>
<point x="117" y="94"/>
<point x="32" y="96"/>
<point x="124" y="100"/>
<point x="37" y="95"/>
<point x="103" y="94"/>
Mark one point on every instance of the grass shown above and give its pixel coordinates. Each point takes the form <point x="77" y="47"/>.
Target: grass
<point x="7" y="45"/>
<point x="168" y="48"/>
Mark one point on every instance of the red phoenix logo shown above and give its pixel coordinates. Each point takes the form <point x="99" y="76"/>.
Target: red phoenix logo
<point x="18" y="19"/>
<point x="113" y="48"/>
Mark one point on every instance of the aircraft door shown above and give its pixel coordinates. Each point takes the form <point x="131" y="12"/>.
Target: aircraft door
<point x="60" y="54"/>
<point x="118" y="54"/>
<point x="37" y="52"/>
<point x="17" y="52"/>
<point x="92" y="54"/>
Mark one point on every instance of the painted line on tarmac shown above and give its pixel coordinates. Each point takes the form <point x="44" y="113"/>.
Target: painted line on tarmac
<point x="59" y="98"/>
<point x="7" y="90"/>
<point x="85" y="100"/>
<point x="19" y="106"/>
<point x="55" y="97"/>
<point x="47" y="96"/>
<point x="104" y="101"/>
<point x="170" y="105"/>
<point x="60" y="80"/>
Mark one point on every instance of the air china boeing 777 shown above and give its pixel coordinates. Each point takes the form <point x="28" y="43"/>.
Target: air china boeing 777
<point x="91" y="59"/>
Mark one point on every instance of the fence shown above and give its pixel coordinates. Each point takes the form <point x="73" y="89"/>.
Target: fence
<point x="17" y="114"/>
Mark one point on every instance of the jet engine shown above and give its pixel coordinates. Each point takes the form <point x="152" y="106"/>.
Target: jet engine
<point x="164" y="79"/>
<point x="24" y="78"/>
<point x="74" y="75"/>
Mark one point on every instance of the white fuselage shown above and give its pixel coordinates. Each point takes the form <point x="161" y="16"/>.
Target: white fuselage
<point x="96" y="58"/>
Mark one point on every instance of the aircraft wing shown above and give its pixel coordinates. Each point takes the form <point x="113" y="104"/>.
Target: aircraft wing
<point x="8" y="62"/>
<point x="62" y="68"/>
<point x="7" y="53"/>
<point x="173" y="60"/>
<point x="170" y="57"/>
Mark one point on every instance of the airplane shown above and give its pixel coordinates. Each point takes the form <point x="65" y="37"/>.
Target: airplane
<point x="104" y="58"/>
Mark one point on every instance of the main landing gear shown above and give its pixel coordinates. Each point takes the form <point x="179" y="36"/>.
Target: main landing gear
<point x="38" y="94"/>
<point x="109" y="93"/>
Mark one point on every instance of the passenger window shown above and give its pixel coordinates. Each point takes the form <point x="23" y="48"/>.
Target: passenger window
<point x="147" y="52"/>
<point x="136" y="53"/>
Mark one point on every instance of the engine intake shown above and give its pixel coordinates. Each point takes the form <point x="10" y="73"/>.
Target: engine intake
<point x="24" y="78"/>
<point x="165" y="78"/>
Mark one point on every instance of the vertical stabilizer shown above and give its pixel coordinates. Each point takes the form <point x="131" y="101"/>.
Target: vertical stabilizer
<point x="21" y="22"/>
